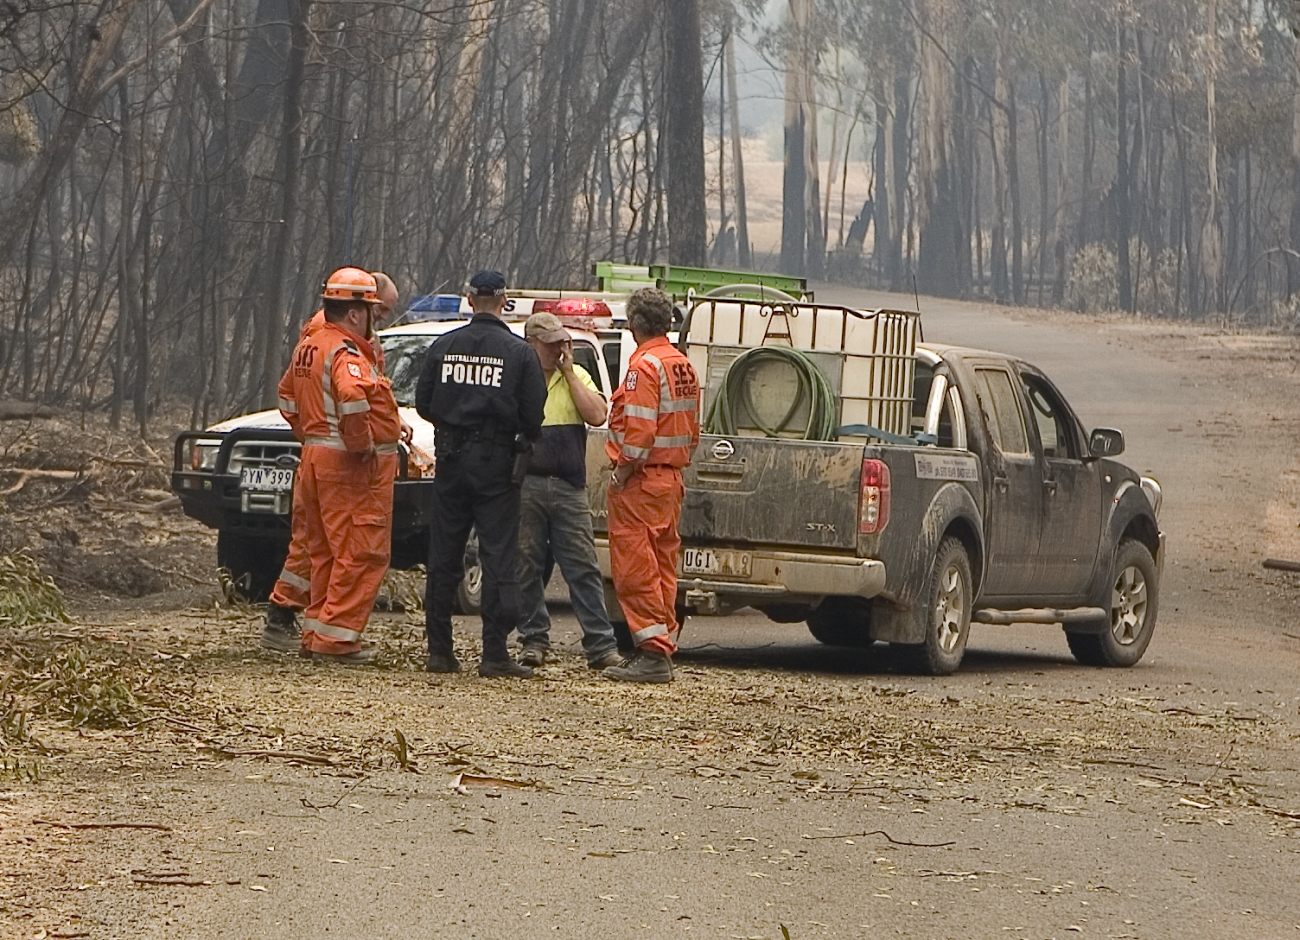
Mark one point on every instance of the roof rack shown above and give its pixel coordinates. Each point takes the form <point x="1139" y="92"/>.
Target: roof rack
<point x="683" y="283"/>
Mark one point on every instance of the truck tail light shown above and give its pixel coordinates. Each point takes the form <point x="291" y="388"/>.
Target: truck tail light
<point x="873" y="514"/>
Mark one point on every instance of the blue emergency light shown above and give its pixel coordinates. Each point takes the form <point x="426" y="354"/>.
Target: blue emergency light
<point x="433" y="307"/>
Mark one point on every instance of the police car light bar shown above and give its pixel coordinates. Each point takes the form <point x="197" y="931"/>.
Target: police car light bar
<point x="581" y="313"/>
<point x="434" y="307"/>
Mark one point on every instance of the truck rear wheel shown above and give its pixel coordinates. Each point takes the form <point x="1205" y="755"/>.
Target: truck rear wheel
<point x="842" y="621"/>
<point x="469" y="595"/>
<point x="1133" y="607"/>
<point x="254" y="564"/>
<point x="948" y="611"/>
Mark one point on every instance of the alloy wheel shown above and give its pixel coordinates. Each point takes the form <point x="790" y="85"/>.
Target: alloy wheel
<point x="1128" y="606"/>
<point x="950" y="608"/>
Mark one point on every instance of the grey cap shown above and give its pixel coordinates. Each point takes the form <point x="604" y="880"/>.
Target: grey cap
<point x="545" y="327"/>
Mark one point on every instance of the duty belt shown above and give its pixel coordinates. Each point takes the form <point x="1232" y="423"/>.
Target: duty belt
<point x="452" y="438"/>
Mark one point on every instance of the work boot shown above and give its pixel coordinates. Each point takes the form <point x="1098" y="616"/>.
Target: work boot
<point x="362" y="657"/>
<point x="503" y="669"/>
<point x="280" y="632"/>
<point x="606" y="659"/>
<point x="438" y="662"/>
<point x="644" y="666"/>
<point x="533" y="656"/>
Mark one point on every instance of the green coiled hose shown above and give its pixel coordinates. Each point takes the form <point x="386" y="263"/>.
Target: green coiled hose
<point x="733" y="400"/>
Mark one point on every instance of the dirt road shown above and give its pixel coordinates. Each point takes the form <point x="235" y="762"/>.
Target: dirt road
<point x="777" y="783"/>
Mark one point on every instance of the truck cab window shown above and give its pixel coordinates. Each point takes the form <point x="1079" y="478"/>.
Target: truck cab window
<point x="921" y="381"/>
<point x="1002" y="411"/>
<point x="584" y="354"/>
<point x="613" y="350"/>
<point x="1050" y="417"/>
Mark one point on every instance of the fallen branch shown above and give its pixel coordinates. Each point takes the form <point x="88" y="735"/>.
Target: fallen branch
<point x="282" y="755"/>
<point x="18" y="410"/>
<point x="173" y="573"/>
<point x="335" y="805"/>
<point x="881" y="832"/>
<point x="25" y="475"/>
<point x="185" y="724"/>
<point x="107" y="825"/>
<point x="129" y="462"/>
<point x="1120" y="763"/>
<point x="1281" y="564"/>
<point x="172" y="883"/>
<point x="1280" y="812"/>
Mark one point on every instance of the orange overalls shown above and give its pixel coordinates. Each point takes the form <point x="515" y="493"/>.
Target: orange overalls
<point x="342" y="409"/>
<point x="293" y="589"/>
<point x="654" y="423"/>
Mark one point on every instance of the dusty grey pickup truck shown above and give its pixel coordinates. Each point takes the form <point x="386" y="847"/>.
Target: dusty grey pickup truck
<point x="998" y="508"/>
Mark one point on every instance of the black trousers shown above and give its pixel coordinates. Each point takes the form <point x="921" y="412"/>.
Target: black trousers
<point x="472" y="489"/>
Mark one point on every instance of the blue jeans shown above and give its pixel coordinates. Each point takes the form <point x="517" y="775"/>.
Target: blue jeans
<point x="555" y="516"/>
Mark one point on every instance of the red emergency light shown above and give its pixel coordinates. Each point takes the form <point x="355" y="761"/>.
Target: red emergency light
<point x="579" y="313"/>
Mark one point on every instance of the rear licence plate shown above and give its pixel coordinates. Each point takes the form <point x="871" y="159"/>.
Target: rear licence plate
<point x="720" y="561"/>
<point x="266" y="479"/>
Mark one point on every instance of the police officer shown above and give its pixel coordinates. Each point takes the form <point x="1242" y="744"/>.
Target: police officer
<point x="482" y="388"/>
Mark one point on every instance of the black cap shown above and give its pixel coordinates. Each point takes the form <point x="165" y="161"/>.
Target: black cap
<point x="488" y="284"/>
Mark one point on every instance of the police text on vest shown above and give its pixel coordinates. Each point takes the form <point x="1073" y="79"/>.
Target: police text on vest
<point x="472" y="370"/>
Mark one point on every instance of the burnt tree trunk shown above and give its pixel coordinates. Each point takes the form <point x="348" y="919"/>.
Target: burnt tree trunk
<point x="684" y="103"/>
<point x="1123" y="208"/>
<point x="273" y="318"/>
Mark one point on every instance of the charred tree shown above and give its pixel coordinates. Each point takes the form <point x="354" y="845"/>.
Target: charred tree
<point x="684" y="129"/>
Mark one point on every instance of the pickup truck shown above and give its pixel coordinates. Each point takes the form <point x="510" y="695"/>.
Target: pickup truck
<point x="998" y="508"/>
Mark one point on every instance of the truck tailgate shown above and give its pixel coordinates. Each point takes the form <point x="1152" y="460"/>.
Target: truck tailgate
<point x="796" y="494"/>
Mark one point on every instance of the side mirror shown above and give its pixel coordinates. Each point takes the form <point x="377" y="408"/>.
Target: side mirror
<point x="1106" y="442"/>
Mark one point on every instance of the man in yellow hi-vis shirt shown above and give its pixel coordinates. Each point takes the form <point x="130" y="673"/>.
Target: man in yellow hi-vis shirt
<point x="555" y="517"/>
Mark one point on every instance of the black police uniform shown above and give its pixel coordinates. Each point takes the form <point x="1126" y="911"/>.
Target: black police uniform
<point x="481" y="385"/>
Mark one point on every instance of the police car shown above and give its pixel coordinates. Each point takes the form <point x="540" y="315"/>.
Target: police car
<point x="237" y="476"/>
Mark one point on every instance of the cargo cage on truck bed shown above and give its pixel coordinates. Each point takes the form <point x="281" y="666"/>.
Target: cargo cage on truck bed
<point x="867" y="357"/>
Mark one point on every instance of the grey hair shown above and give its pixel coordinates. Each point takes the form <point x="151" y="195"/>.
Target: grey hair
<point x="650" y="312"/>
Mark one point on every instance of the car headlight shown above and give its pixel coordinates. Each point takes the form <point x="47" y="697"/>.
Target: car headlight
<point x="203" y="454"/>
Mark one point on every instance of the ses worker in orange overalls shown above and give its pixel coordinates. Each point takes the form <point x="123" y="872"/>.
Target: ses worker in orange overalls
<point x="342" y="409"/>
<point x="654" y="429"/>
<point x="292" y="591"/>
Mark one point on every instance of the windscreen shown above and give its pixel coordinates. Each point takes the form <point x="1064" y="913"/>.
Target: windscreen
<point x="403" y="359"/>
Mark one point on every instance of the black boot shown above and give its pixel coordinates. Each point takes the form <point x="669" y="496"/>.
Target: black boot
<point x="644" y="666"/>
<point x="503" y="669"/>
<point x="442" y="662"/>
<point x="281" y="632"/>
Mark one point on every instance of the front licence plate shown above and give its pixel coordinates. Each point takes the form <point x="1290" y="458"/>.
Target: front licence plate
<point x="719" y="561"/>
<point x="266" y="479"/>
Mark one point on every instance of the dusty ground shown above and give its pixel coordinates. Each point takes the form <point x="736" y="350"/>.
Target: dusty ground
<point x="777" y="783"/>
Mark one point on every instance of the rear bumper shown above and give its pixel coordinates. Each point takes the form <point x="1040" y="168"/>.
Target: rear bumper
<point x="783" y="576"/>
